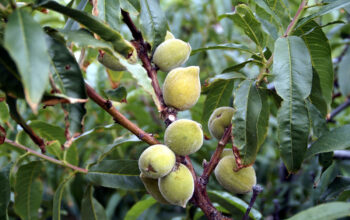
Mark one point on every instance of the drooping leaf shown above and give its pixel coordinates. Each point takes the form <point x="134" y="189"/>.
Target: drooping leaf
<point x="344" y="74"/>
<point x="219" y="94"/>
<point x="91" y="208"/>
<point x="293" y="132"/>
<point x="71" y="82"/>
<point x="93" y="24"/>
<point x="24" y="39"/>
<point x="236" y="206"/>
<point x="245" y="19"/>
<point x="331" y="210"/>
<point x="239" y="66"/>
<point x="153" y="22"/>
<point x="228" y="46"/>
<point x="320" y="52"/>
<point x="245" y="121"/>
<point x="118" y="174"/>
<point x="109" y="12"/>
<point x="336" y="139"/>
<point x="339" y="185"/>
<point x="316" y="96"/>
<point x="48" y="131"/>
<point x="118" y="94"/>
<point x="57" y="199"/>
<point x="138" y="208"/>
<point x="324" y="10"/>
<point x="5" y="190"/>
<point x="292" y="68"/>
<point x="28" y="190"/>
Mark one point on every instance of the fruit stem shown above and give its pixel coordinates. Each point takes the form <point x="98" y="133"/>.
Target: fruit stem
<point x="257" y="189"/>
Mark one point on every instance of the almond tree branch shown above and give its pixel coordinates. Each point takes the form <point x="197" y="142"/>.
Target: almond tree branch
<point x="45" y="157"/>
<point x="118" y="117"/>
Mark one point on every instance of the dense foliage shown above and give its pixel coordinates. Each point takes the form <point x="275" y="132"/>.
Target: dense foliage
<point x="67" y="148"/>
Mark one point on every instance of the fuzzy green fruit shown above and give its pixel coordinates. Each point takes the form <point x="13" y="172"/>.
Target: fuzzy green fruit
<point x="152" y="188"/>
<point x="226" y="152"/>
<point x="110" y="62"/>
<point x="156" y="161"/>
<point x="169" y="36"/>
<point x="240" y="182"/>
<point x="182" y="88"/>
<point x="177" y="187"/>
<point x="171" y="53"/>
<point x="184" y="137"/>
<point x="219" y="120"/>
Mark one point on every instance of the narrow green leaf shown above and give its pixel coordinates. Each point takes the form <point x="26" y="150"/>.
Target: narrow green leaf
<point x="292" y="68"/>
<point x="245" y="19"/>
<point x="153" y="22"/>
<point x="228" y="46"/>
<point x="334" y="5"/>
<point x="245" y="121"/>
<point x="219" y="94"/>
<point x="93" y="24"/>
<point x="316" y="97"/>
<point x="71" y="82"/>
<point x="338" y="186"/>
<point x="24" y="39"/>
<point x="28" y="190"/>
<point x="318" y="122"/>
<point x="4" y="112"/>
<point x="236" y="206"/>
<point x="91" y="208"/>
<point x="268" y="18"/>
<point x="5" y="190"/>
<point x="321" y="59"/>
<point x="138" y="208"/>
<point x="128" y="7"/>
<point x="337" y="139"/>
<point x="109" y="12"/>
<point x="48" y="131"/>
<point x="119" y="174"/>
<point x="57" y="199"/>
<point x="239" y="66"/>
<point x="263" y="122"/>
<point x="71" y="155"/>
<point x="55" y="148"/>
<point x="344" y="74"/>
<point x="293" y="132"/>
<point x="118" y="94"/>
<point x="331" y="210"/>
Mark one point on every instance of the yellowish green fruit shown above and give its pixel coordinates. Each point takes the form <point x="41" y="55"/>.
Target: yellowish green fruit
<point x="226" y="152"/>
<point x="169" y="36"/>
<point x="156" y="161"/>
<point x="240" y="182"/>
<point x="110" y="62"/>
<point x="184" y="137"/>
<point x="182" y="88"/>
<point x="171" y="53"/>
<point x="219" y="120"/>
<point x="152" y="188"/>
<point x="177" y="187"/>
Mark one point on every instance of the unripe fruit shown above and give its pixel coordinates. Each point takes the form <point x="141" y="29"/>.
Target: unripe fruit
<point x="156" y="161"/>
<point x="219" y="120"/>
<point x="110" y="62"/>
<point x="177" y="187"/>
<point x="152" y="188"/>
<point x="171" y="53"/>
<point x="169" y="36"/>
<point x="182" y="88"/>
<point x="184" y="137"/>
<point x="226" y="152"/>
<point x="240" y="182"/>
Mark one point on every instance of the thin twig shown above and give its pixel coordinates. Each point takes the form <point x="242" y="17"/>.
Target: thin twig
<point x="118" y="117"/>
<point x="257" y="189"/>
<point x="296" y="18"/>
<point x="337" y="110"/>
<point x="45" y="157"/>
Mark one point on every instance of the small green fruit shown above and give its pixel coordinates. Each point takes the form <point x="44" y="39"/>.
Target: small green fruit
<point x="219" y="120"/>
<point x="169" y="36"/>
<point x="226" y="152"/>
<point x="184" y="137"/>
<point x="182" y="88"/>
<point x="171" y="53"/>
<point x="156" y="161"/>
<point x="240" y="182"/>
<point x="152" y="188"/>
<point x="177" y="187"/>
<point x="110" y="62"/>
